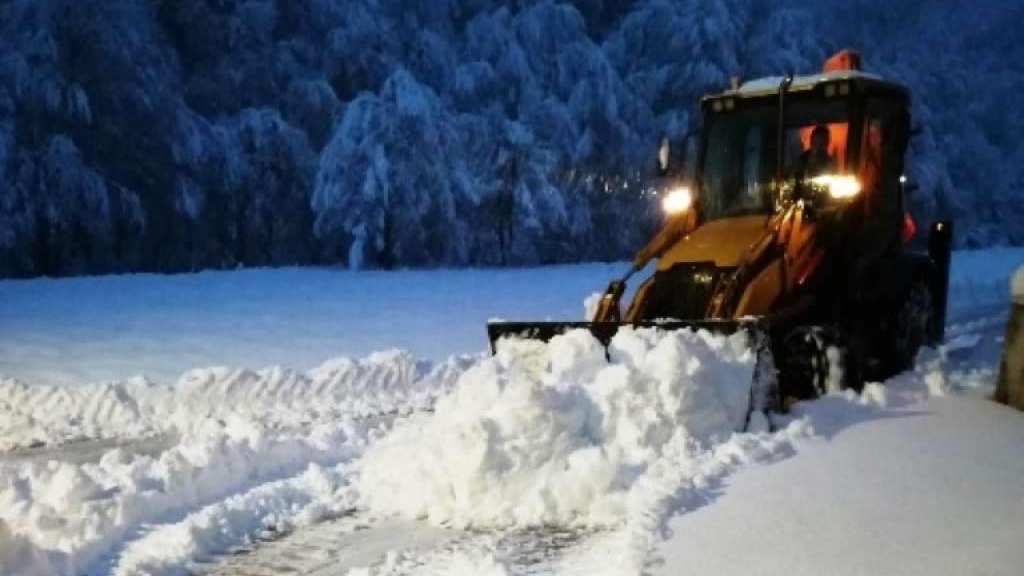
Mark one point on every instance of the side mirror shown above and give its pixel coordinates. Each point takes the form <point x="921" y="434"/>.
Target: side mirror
<point x="664" y="156"/>
<point x="672" y="157"/>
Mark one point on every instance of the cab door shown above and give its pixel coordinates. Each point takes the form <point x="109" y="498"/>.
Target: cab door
<point x="878" y="245"/>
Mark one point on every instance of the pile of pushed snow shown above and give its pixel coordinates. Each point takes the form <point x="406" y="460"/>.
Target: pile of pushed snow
<point x="384" y="382"/>
<point x="557" y="433"/>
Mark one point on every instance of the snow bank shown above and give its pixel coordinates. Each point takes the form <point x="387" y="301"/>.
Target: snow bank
<point x="384" y="382"/>
<point x="556" y="433"/>
<point x="76" y="514"/>
<point x="283" y="504"/>
<point x="32" y="415"/>
<point x="247" y="450"/>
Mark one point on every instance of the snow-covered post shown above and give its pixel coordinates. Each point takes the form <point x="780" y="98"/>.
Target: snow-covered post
<point x="1010" y="387"/>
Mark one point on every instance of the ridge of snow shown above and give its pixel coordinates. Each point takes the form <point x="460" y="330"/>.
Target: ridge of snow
<point x="316" y="493"/>
<point x="277" y="440"/>
<point x="71" y="517"/>
<point x="384" y="382"/>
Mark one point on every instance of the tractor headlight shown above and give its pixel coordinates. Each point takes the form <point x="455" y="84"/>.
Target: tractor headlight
<point x="677" y="200"/>
<point x="839" y="186"/>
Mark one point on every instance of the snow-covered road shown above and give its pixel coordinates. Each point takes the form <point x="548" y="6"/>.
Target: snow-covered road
<point x="475" y="465"/>
<point x="922" y="487"/>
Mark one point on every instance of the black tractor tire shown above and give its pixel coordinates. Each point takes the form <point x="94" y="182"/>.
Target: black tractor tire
<point x="908" y="330"/>
<point x="809" y="357"/>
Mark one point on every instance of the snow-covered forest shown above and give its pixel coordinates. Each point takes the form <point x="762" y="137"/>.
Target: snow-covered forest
<point x="169" y="135"/>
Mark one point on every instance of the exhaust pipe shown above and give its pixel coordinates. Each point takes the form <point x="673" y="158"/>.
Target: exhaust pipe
<point x="940" y="246"/>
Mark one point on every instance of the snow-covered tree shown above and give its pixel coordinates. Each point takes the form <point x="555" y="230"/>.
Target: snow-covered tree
<point x="390" y="180"/>
<point x="183" y="134"/>
<point x="672" y="52"/>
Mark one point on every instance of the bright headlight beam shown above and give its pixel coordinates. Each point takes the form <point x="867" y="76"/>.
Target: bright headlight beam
<point x="840" y="186"/>
<point x="677" y="200"/>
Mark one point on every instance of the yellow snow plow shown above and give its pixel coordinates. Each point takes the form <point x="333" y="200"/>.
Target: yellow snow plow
<point x="792" y="226"/>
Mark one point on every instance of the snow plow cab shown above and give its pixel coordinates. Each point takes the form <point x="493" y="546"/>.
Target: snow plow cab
<point x="791" y="223"/>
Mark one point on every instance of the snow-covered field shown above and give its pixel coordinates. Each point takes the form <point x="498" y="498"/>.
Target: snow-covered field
<point x="540" y="460"/>
<point x="81" y="330"/>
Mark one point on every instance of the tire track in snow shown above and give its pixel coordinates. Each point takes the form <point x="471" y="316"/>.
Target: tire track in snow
<point x="329" y="548"/>
<point x="392" y="547"/>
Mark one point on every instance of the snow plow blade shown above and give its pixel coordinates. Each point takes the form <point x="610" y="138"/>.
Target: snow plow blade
<point x="764" y="390"/>
<point x="605" y="331"/>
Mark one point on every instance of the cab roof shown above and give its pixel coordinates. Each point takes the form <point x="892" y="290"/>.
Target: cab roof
<point x="769" y="86"/>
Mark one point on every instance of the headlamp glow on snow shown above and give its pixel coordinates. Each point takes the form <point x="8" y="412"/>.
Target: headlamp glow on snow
<point x="839" y="186"/>
<point x="677" y="200"/>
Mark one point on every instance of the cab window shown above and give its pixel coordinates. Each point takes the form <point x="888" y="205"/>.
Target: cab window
<point x="883" y="141"/>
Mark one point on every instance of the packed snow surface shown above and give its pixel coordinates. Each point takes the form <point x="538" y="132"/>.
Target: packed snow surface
<point x="928" y="484"/>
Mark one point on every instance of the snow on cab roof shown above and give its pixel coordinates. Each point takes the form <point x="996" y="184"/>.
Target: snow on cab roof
<point x="771" y="83"/>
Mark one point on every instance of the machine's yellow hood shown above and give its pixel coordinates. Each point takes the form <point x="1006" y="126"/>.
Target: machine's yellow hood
<point x="723" y="241"/>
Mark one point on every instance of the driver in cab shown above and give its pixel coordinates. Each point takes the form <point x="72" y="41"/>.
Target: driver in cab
<point x="816" y="160"/>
